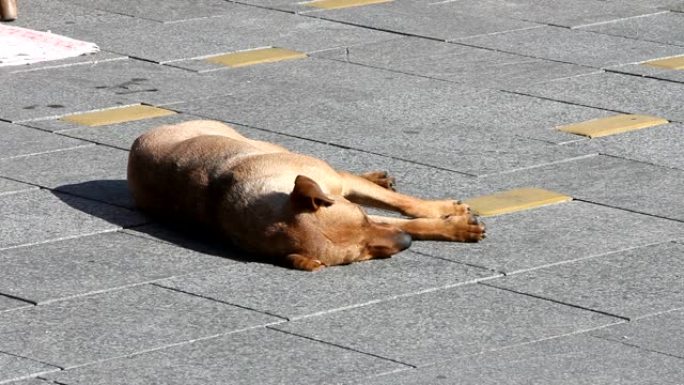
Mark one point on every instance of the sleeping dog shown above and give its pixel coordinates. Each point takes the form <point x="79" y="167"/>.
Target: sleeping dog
<point x="276" y="203"/>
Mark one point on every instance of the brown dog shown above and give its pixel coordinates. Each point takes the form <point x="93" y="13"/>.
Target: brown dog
<point x="280" y="204"/>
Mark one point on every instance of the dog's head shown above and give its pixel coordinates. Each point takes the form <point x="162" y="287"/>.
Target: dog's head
<point x="337" y="231"/>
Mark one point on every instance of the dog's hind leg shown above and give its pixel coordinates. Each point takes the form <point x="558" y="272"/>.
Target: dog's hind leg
<point x="359" y="189"/>
<point x="464" y="228"/>
<point x="381" y="178"/>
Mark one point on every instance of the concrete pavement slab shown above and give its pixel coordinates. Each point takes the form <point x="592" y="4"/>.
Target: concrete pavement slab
<point x="259" y="356"/>
<point x="419" y="19"/>
<point x="660" y="333"/>
<point x="137" y="81"/>
<point x="98" y="57"/>
<point x="294" y="294"/>
<point x="7" y="303"/>
<point x="10" y="187"/>
<point x="32" y="381"/>
<point x="667" y="28"/>
<point x="40" y="216"/>
<point x="35" y="95"/>
<point x="654" y="145"/>
<point x="441" y="325"/>
<point x="108" y="325"/>
<point x="630" y="284"/>
<point x="19" y="140"/>
<point x="48" y="15"/>
<point x="332" y="101"/>
<point x="574" y="46"/>
<point x="456" y="63"/>
<point x="16" y="368"/>
<point x="554" y="234"/>
<point x="616" y="92"/>
<point x="606" y="180"/>
<point x="645" y="70"/>
<point x="95" y="172"/>
<point x="567" y="360"/>
<point x="242" y="27"/>
<point x="554" y="12"/>
<point x="174" y="10"/>
<point x="94" y="263"/>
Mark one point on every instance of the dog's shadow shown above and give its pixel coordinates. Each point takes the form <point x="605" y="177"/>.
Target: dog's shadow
<point x="114" y="192"/>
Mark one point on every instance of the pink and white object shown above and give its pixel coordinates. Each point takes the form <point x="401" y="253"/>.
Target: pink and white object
<point x="25" y="46"/>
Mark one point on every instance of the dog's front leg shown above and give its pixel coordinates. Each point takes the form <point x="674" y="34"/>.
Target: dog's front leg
<point x="364" y="191"/>
<point x="463" y="228"/>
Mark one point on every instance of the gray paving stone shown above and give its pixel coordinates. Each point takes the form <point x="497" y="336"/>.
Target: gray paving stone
<point x="98" y="57"/>
<point x="437" y="326"/>
<point x="260" y="356"/>
<point x="48" y="15"/>
<point x="465" y="65"/>
<point x="292" y="98"/>
<point x="94" y="172"/>
<point x="554" y="234"/>
<point x="568" y="360"/>
<point x="34" y="95"/>
<point x="16" y="368"/>
<point x="175" y="10"/>
<point x="113" y="324"/>
<point x="19" y="140"/>
<point x="292" y="294"/>
<point x="95" y="263"/>
<point x="40" y="216"/>
<point x="655" y="145"/>
<point x="667" y="28"/>
<point x="650" y="72"/>
<point x="615" y="92"/>
<point x="138" y="81"/>
<point x="10" y="187"/>
<point x="660" y="333"/>
<point x="444" y="22"/>
<point x="630" y="284"/>
<point x="7" y="303"/>
<point x="574" y="46"/>
<point x="32" y="381"/>
<point x="605" y="180"/>
<point x="242" y="27"/>
<point x="554" y="12"/>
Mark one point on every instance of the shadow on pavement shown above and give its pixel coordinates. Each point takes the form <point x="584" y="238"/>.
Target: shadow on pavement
<point x="186" y="235"/>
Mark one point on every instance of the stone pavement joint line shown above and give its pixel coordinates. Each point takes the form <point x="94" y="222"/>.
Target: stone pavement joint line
<point x="514" y="200"/>
<point x="256" y="56"/>
<point x="612" y="125"/>
<point x="117" y="115"/>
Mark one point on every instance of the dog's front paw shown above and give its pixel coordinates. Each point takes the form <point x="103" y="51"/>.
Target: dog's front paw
<point x="381" y="178"/>
<point x="465" y="228"/>
<point x="301" y="262"/>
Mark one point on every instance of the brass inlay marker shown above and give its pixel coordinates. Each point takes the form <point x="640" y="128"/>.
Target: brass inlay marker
<point x="255" y="56"/>
<point x="337" y="4"/>
<point x="673" y="63"/>
<point x="117" y="115"/>
<point x="514" y="200"/>
<point x="611" y="125"/>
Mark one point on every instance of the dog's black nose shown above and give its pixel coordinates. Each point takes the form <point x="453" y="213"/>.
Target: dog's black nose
<point x="403" y="241"/>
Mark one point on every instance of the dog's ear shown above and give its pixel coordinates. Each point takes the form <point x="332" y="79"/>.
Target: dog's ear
<point x="307" y="194"/>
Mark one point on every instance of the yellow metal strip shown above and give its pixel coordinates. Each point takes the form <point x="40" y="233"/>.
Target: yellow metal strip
<point x="337" y="4"/>
<point x="117" y="115"/>
<point x="255" y="56"/>
<point x="673" y="63"/>
<point x="514" y="200"/>
<point x="612" y="125"/>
